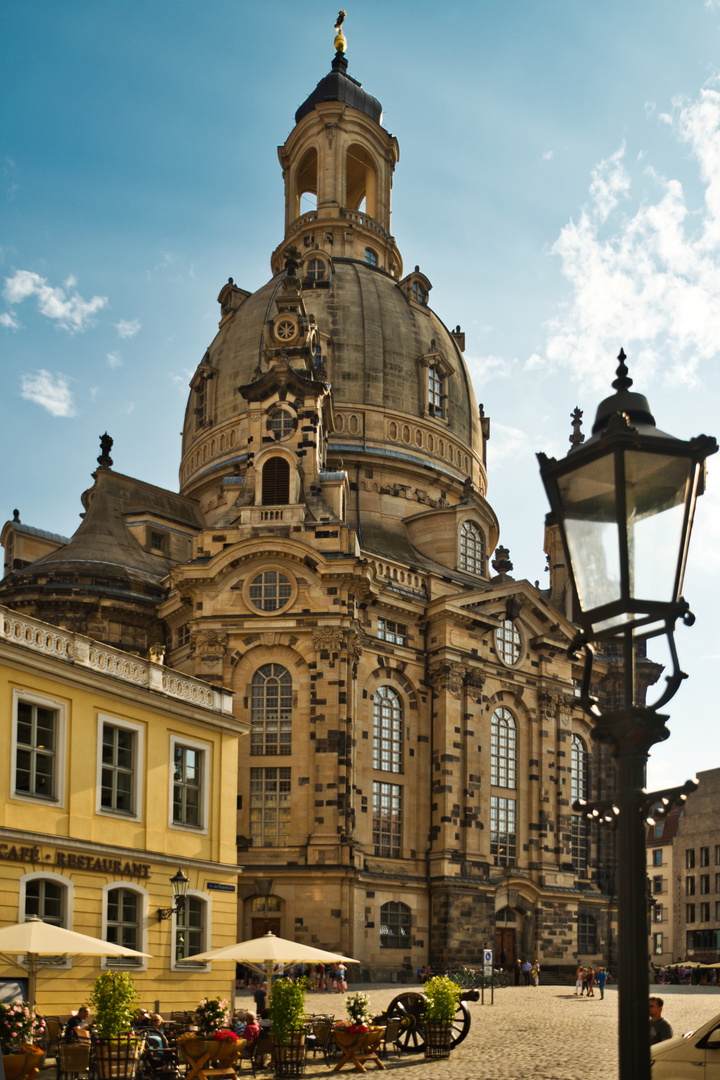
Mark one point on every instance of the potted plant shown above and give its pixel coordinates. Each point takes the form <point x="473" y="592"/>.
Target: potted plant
<point x="287" y="1014"/>
<point x="116" y="1050"/>
<point x="20" y="1029"/>
<point x="357" y="1036"/>
<point x="213" y="1037"/>
<point x="442" y="996"/>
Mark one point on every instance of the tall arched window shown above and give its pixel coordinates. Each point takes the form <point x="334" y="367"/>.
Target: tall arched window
<point x="124" y="914"/>
<point x="276" y="482"/>
<point x="579" y="838"/>
<point x="387" y="730"/>
<point x="271" y="711"/>
<point x="472" y="548"/>
<point x="503" y="749"/>
<point x="190" y="931"/>
<point x="587" y="935"/>
<point x="395" y="925"/>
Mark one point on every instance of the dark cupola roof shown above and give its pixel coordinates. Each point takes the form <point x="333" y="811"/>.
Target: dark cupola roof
<point x="339" y="86"/>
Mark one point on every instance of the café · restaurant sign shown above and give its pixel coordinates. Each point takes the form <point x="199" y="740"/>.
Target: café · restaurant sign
<point x="75" y="860"/>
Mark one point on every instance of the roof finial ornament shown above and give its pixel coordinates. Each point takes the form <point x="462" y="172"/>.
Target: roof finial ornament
<point x="577" y="436"/>
<point x="340" y="42"/>
<point x="105" y="447"/>
<point x="623" y="380"/>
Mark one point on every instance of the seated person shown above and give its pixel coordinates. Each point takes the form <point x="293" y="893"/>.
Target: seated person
<point x="75" y="1029"/>
<point x="239" y="1022"/>
<point x="251" y="1033"/>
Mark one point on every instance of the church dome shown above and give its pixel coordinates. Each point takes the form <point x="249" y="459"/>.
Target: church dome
<point x="339" y="86"/>
<point x="384" y="354"/>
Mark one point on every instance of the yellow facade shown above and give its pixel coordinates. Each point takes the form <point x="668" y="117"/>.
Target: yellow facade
<point x="117" y="771"/>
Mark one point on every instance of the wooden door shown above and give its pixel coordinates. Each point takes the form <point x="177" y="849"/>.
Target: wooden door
<point x="504" y="943"/>
<point x="264" y="926"/>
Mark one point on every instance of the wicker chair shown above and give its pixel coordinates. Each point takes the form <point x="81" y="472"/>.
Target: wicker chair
<point x="73" y="1060"/>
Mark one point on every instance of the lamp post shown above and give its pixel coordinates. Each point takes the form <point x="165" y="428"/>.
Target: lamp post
<point x="624" y="503"/>
<point x="179" y="884"/>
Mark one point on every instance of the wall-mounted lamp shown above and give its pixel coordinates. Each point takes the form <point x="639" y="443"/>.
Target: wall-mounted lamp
<point x="179" y="887"/>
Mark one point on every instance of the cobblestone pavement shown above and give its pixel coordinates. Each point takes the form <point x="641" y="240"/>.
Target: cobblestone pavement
<point x="543" y="1033"/>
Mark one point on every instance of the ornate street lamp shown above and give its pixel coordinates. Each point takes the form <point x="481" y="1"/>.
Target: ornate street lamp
<point x="624" y="503"/>
<point x="179" y="884"/>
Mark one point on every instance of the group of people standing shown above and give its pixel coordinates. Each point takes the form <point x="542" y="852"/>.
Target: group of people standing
<point x="530" y="973"/>
<point x="586" y="979"/>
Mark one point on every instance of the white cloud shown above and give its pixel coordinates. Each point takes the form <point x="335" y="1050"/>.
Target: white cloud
<point x="50" y="391"/>
<point x="648" y="280"/>
<point x="61" y="303"/>
<point x="485" y="368"/>
<point x="182" y="380"/>
<point x="127" y="328"/>
<point x="548" y="155"/>
<point x="507" y="443"/>
<point x="114" y="360"/>
<point x="10" y="320"/>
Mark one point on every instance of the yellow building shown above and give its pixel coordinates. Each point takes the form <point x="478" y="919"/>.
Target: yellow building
<point x="117" y="771"/>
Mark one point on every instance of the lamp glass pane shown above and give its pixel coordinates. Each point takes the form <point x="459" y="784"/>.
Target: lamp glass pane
<point x="589" y="511"/>
<point x="657" y="486"/>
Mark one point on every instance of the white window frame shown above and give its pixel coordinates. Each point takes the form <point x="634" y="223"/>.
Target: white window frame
<point x="119" y="963"/>
<point x="193" y="966"/>
<point x="61" y="708"/>
<point x="138" y="766"/>
<point x="64" y="883"/>
<point x="205" y="749"/>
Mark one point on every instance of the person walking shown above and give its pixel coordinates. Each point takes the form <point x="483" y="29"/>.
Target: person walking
<point x="602" y="977"/>
<point x="527" y="968"/>
<point x="590" y="982"/>
<point x="579" y="981"/>
<point x="535" y="973"/>
<point x="660" y="1030"/>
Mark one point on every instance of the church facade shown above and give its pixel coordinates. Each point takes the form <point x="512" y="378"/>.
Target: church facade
<point x="416" y="742"/>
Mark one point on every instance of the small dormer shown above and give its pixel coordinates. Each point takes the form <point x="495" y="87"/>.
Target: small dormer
<point x="417" y="288"/>
<point x="291" y="333"/>
<point x="435" y="371"/>
<point x="316" y="269"/>
<point x="230" y="299"/>
<point x="202" y="385"/>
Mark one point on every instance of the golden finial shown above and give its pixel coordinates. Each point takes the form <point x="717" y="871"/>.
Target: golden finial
<point x="340" y="41"/>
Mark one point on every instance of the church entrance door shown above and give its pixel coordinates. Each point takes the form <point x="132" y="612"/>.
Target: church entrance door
<point x="265" y="926"/>
<point x="504" y="943"/>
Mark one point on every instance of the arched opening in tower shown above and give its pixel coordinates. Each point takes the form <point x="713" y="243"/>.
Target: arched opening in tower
<point x="306" y="180"/>
<point x="360" y="180"/>
<point x="276" y="482"/>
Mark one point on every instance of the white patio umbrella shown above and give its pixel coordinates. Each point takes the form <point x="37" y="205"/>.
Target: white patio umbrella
<point x="270" y="950"/>
<point x="36" y="939"/>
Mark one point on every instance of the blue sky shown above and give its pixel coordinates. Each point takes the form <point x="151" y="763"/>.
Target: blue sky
<point x="558" y="182"/>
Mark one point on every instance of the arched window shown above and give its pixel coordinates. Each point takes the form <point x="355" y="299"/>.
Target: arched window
<point x="316" y="270"/>
<point x="360" y="180"/>
<point x="395" y="925"/>
<point x="587" y="935"/>
<point x="46" y="900"/>
<point x="123" y="922"/>
<point x="306" y="183"/>
<point x="472" y="548"/>
<point x="508" y="642"/>
<point x="276" y="482"/>
<point x="191" y="931"/>
<point x="580" y="840"/>
<point x="387" y="730"/>
<point x="371" y="257"/>
<point x="503" y="749"/>
<point x="435" y="396"/>
<point x="271" y="711"/>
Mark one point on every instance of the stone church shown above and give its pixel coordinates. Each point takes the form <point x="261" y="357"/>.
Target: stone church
<point x="416" y="743"/>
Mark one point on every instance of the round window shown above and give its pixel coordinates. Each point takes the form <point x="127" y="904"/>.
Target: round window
<point x="270" y="591"/>
<point x="281" y="424"/>
<point x="285" y="329"/>
<point x="316" y="270"/>
<point x="508" y="642"/>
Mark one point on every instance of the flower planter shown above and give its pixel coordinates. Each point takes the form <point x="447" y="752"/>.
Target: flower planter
<point x="116" y="1059"/>
<point x="289" y="1057"/>
<point x="24" y="1064"/>
<point x="358" y="1046"/>
<point x="224" y="1051"/>
<point x="438" y="1038"/>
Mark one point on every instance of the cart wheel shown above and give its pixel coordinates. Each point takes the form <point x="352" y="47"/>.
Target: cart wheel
<point x="460" y="1024"/>
<point x="410" y="1007"/>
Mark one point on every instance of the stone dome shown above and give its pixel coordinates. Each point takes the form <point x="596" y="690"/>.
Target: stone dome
<point x="376" y="344"/>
